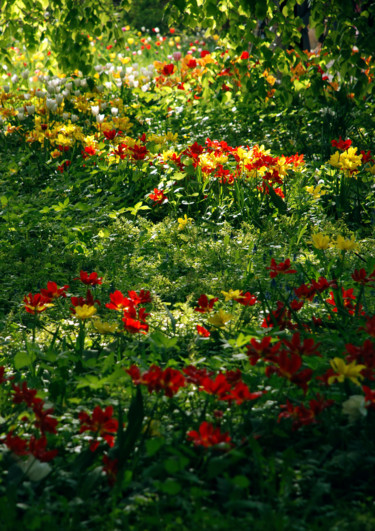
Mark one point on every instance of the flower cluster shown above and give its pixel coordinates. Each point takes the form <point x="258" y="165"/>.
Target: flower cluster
<point x="41" y="420"/>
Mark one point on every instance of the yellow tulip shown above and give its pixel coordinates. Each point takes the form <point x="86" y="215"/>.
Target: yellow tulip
<point x="85" y="312"/>
<point x="352" y="371"/>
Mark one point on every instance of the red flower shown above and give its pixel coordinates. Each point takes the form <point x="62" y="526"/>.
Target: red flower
<point x="135" y="322"/>
<point x="208" y="436"/>
<point x="26" y="395"/>
<point x="241" y="393"/>
<point x="369" y="397"/>
<point x="363" y="354"/>
<point x="135" y="374"/>
<point x="170" y="380"/>
<point x="53" y="292"/>
<point x="158" y="196"/>
<point x="44" y="421"/>
<point x="219" y="386"/>
<point x="88" y="152"/>
<point x="247" y="299"/>
<point x="90" y="279"/>
<point x="203" y="331"/>
<point x="192" y="63"/>
<point x="143" y="297"/>
<point x="139" y="152"/>
<point x="307" y="348"/>
<point x="118" y="301"/>
<point x="194" y="375"/>
<point x="205" y="305"/>
<point x="245" y="55"/>
<point x="341" y="144"/>
<point x="362" y="278"/>
<point x="101" y="423"/>
<point x="168" y="70"/>
<point x="366" y="157"/>
<point x="347" y="297"/>
<point x="279" y="317"/>
<point x="110" y="135"/>
<point x="36" y="303"/>
<point x="15" y="444"/>
<point x="262" y="349"/>
<point x="281" y="268"/>
<point x="133" y="326"/>
<point x="38" y="449"/>
<point x="288" y="367"/>
<point x="303" y="415"/>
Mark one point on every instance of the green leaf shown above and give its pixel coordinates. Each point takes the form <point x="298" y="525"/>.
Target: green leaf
<point x="154" y="445"/>
<point x="161" y="340"/>
<point x="126" y="440"/>
<point x="171" y="486"/>
<point x="21" y="360"/>
<point x="276" y="200"/>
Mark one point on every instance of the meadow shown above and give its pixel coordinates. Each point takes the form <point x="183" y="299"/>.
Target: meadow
<point x="187" y="297"/>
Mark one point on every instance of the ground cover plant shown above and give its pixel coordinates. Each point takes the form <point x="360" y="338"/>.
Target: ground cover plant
<point x="188" y="316"/>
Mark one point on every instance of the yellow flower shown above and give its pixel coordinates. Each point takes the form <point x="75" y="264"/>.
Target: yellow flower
<point x="130" y="41"/>
<point x="348" y="160"/>
<point x="315" y="191"/>
<point x="320" y="241"/>
<point x="350" y="371"/>
<point x="372" y="170"/>
<point x="182" y="222"/>
<point x="346" y="245"/>
<point x="85" y="312"/>
<point x="220" y="318"/>
<point x="231" y="294"/>
<point x="104" y="327"/>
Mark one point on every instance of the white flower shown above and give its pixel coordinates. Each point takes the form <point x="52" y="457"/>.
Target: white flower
<point x="74" y="118"/>
<point x="14" y="78"/>
<point x="34" y="469"/>
<point x="25" y="74"/>
<point x="30" y="109"/>
<point x="59" y="98"/>
<point x="114" y="111"/>
<point x="65" y="115"/>
<point x="100" y="118"/>
<point x="95" y="110"/>
<point x="51" y="104"/>
<point x="6" y="88"/>
<point x="355" y="407"/>
<point x="20" y="116"/>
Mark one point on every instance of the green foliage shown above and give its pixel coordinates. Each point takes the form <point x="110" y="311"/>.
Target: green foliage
<point x="131" y="450"/>
<point x="62" y="22"/>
